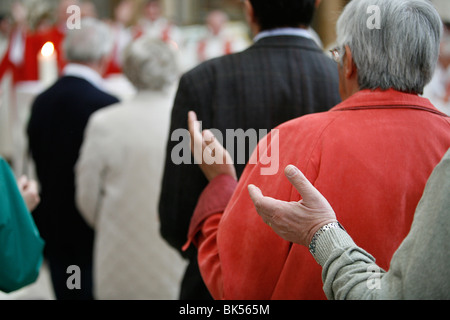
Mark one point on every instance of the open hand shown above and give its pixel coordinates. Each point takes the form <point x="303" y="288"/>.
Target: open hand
<point x="295" y="222"/>
<point x="212" y="157"/>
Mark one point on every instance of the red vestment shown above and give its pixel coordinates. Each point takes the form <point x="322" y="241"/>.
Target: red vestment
<point x="28" y="70"/>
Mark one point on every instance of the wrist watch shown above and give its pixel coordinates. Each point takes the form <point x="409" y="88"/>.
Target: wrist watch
<point x="325" y="228"/>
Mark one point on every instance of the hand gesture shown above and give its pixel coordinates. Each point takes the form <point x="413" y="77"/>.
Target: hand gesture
<point x="29" y="191"/>
<point x="212" y="157"/>
<point x="295" y="222"/>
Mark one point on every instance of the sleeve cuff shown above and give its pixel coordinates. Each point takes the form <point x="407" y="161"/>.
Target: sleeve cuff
<point x="329" y="241"/>
<point x="214" y="199"/>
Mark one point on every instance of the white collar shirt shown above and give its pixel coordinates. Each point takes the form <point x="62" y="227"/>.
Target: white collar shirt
<point x="84" y="72"/>
<point x="284" y="32"/>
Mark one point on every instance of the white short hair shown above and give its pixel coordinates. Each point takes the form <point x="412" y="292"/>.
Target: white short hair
<point x="150" y="64"/>
<point x="402" y="54"/>
<point x="90" y="43"/>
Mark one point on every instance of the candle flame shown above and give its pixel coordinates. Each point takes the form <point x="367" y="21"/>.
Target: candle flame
<point x="47" y="49"/>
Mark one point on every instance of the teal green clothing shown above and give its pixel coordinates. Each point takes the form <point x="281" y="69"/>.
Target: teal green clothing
<point x="21" y="247"/>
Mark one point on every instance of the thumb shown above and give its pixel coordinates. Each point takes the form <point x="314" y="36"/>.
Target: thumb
<point x="266" y="207"/>
<point x="255" y="194"/>
<point x="310" y="195"/>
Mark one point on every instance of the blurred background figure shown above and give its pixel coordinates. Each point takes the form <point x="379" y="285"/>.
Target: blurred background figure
<point x="57" y="33"/>
<point x="155" y="25"/>
<point x="55" y="134"/>
<point x="34" y="25"/>
<point x="118" y="182"/>
<point x="438" y="90"/>
<point x="47" y="23"/>
<point x="5" y="29"/>
<point x="218" y="41"/>
<point x="13" y="69"/>
<point x="88" y="9"/>
<point x="14" y="57"/>
<point x="41" y="17"/>
<point x="120" y="25"/>
<point x="215" y="38"/>
<point x="5" y="85"/>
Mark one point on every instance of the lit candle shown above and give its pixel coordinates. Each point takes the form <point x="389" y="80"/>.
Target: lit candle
<point x="48" y="66"/>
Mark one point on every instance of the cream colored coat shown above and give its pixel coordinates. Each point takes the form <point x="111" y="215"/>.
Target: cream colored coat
<point x="118" y="184"/>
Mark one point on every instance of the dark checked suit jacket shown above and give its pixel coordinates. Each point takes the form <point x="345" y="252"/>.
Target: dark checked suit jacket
<point x="277" y="79"/>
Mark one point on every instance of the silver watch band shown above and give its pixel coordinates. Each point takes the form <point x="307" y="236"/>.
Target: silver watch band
<point x="325" y="228"/>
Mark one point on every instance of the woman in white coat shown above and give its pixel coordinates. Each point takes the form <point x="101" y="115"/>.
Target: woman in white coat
<point x="119" y="174"/>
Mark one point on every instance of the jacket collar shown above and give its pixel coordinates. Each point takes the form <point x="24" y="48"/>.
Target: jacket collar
<point x="283" y="32"/>
<point x="84" y="72"/>
<point x="280" y="41"/>
<point x="388" y="99"/>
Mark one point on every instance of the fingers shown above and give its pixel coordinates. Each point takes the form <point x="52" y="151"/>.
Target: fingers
<point x="311" y="196"/>
<point x="257" y="198"/>
<point x="204" y="146"/>
<point x="209" y="140"/>
<point x="22" y="182"/>
<point x="196" y="136"/>
<point x="30" y="192"/>
<point x="208" y="152"/>
<point x="33" y="187"/>
<point x="193" y="126"/>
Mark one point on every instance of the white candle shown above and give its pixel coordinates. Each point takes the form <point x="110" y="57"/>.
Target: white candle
<point x="48" y="65"/>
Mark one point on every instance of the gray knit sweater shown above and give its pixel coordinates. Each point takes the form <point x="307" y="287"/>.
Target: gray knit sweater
<point x="420" y="268"/>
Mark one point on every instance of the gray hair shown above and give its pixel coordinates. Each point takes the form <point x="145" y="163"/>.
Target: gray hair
<point x="402" y="54"/>
<point x="149" y="64"/>
<point x="90" y="43"/>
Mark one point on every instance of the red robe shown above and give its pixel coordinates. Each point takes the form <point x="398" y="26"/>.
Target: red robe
<point x="370" y="156"/>
<point x="54" y="35"/>
<point x="29" y="69"/>
<point x="19" y="72"/>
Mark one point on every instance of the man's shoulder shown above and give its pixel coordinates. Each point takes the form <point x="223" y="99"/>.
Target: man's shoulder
<point x="309" y="124"/>
<point x="73" y="91"/>
<point x="109" y="115"/>
<point x="264" y="56"/>
<point x="214" y="64"/>
<point x="313" y="119"/>
<point x="89" y="90"/>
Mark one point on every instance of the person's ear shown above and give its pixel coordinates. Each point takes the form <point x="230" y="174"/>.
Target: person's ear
<point x="251" y="18"/>
<point x="349" y="64"/>
<point x="249" y="12"/>
<point x="318" y="3"/>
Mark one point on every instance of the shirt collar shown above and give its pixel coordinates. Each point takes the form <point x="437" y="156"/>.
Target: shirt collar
<point x="283" y="32"/>
<point x="84" y="72"/>
<point x="385" y="99"/>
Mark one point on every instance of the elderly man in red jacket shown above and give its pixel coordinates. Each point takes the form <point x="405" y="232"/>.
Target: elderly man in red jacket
<point x="370" y="156"/>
